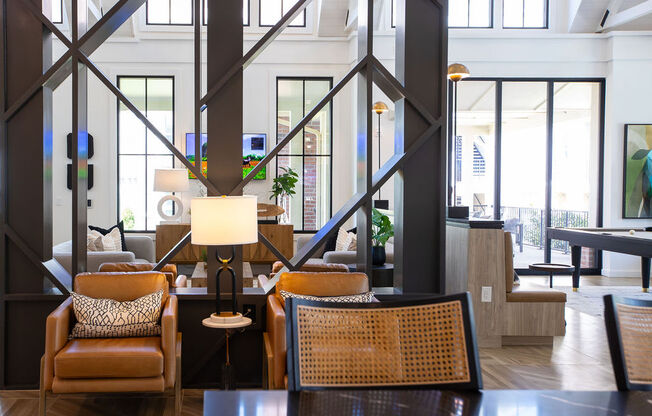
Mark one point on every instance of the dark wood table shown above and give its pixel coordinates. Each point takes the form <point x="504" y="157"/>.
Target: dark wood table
<point x="381" y="275"/>
<point x="618" y="240"/>
<point x="427" y="402"/>
<point x="552" y="268"/>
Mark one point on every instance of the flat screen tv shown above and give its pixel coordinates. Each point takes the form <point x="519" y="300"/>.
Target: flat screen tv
<point x="254" y="148"/>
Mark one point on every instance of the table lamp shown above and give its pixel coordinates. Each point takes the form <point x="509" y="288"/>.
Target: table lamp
<point x="224" y="221"/>
<point x="170" y="180"/>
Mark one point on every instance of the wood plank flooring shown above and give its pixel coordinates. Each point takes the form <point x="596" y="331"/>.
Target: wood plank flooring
<point x="578" y="361"/>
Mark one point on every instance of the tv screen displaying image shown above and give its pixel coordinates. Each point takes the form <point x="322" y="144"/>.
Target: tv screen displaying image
<point x="254" y="149"/>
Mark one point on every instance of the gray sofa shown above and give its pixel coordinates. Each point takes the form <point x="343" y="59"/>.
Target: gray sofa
<point x="140" y="249"/>
<point x="340" y="257"/>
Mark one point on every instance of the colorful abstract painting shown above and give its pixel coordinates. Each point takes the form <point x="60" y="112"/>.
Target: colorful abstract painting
<point x="637" y="185"/>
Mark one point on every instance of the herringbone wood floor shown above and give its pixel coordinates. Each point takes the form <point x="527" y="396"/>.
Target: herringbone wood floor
<point x="578" y="361"/>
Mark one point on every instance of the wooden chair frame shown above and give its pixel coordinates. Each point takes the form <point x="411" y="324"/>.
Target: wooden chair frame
<point x="475" y="371"/>
<point x="614" y="337"/>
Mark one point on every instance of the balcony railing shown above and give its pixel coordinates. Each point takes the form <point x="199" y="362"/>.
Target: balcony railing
<point x="533" y="222"/>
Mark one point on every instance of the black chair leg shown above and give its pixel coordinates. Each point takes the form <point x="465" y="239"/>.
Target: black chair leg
<point x="550" y="280"/>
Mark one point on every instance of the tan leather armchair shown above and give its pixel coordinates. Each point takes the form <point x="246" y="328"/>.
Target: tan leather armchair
<point x="169" y="270"/>
<point x="106" y="365"/>
<point x="303" y="283"/>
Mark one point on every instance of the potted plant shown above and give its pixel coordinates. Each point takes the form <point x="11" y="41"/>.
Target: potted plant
<point x="283" y="188"/>
<point x="381" y="231"/>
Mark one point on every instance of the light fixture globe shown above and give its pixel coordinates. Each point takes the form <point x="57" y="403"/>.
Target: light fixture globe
<point x="380" y="107"/>
<point x="457" y="72"/>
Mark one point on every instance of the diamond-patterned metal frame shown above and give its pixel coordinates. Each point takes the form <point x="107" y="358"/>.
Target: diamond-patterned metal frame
<point x="77" y="58"/>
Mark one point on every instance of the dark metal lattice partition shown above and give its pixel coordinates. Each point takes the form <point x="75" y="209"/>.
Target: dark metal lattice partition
<point x="27" y="79"/>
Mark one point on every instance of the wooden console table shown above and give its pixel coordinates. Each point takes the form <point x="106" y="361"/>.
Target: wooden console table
<point x="281" y="235"/>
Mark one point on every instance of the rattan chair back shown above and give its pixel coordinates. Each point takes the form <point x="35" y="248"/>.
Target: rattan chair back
<point x="429" y="343"/>
<point x="629" y="331"/>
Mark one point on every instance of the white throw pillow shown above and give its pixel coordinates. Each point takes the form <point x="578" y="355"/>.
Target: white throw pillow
<point x="93" y="243"/>
<point x="345" y="240"/>
<point x="112" y="241"/>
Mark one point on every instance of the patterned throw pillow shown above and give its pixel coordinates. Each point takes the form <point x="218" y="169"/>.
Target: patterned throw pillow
<point x="345" y="241"/>
<point x="108" y="318"/>
<point x="94" y="243"/>
<point x="366" y="297"/>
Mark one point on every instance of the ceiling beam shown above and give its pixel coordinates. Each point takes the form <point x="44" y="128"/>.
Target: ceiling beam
<point x="628" y="15"/>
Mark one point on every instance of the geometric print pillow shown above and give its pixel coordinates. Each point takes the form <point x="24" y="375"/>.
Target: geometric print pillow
<point x="108" y="318"/>
<point x="366" y="297"/>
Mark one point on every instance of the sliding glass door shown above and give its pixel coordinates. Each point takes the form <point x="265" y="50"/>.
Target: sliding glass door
<point x="528" y="151"/>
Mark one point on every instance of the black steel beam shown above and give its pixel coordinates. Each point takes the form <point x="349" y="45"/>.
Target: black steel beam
<point x="225" y="114"/>
<point x="243" y="61"/>
<point x="107" y="25"/>
<point x="364" y="144"/>
<point x="420" y="188"/>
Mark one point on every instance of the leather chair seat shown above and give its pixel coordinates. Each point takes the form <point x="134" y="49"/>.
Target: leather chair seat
<point x="110" y="358"/>
<point x="536" y="296"/>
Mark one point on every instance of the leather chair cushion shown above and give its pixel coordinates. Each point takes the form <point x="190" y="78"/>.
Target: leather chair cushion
<point x="536" y="296"/>
<point x="169" y="270"/>
<point x="314" y="267"/>
<point x="110" y="358"/>
<point x="121" y="286"/>
<point x="321" y="284"/>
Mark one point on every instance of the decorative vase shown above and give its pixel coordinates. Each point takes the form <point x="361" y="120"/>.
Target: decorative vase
<point x="285" y="204"/>
<point x="378" y="256"/>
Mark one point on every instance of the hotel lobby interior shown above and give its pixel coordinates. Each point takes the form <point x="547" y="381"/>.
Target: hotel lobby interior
<point x="325" y="207"/>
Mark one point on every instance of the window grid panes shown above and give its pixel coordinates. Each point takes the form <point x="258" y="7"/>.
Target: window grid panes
<point x="525" y="14"/>
<point x="140" y="152"/>
<point x="271" y="11"/>
<point x="309" y="152"/>
<point x="181" y="12"/>
<point x="471" y="14"/>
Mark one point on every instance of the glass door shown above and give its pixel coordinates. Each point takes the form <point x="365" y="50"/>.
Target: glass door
<point x="523" y="168"/>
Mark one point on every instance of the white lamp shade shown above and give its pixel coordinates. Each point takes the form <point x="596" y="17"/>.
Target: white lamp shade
<point x="171" y="180"/>
<point x="224" y="220"/>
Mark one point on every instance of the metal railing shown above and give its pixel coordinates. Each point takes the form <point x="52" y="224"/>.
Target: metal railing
<point x="534" y="220"/>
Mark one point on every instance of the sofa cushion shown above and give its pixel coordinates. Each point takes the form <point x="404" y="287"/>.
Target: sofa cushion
<point x="110" y="358"/>
<point x="536" y="296"/>
<point x="109" y="318"/>
<point x="170" y="270"/>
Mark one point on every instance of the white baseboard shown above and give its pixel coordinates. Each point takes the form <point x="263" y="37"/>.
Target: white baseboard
<point x="621" y="272"/>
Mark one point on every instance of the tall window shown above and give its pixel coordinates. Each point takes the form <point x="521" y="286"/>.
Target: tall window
<point x="464" y="13"/>
<point x="309" y="152"/>
<point x="525" y="14"/>
<point x="140" y="152"/>
<point x="180" y="12"/>
<point x="271" y="11"/>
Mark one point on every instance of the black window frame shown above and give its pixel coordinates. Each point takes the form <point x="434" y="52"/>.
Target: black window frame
<point x="497" y="198"/>
<point x="546" y="15"/>
<point x="305" y="17"/>
<point x="491" y="16"/>
<point x="192" y="15"/>
<point x="59" y="22"/>
<point x="145" y="155"/>
<point x="303" y="153"/>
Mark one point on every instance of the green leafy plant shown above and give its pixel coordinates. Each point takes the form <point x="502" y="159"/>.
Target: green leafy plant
<point x="128" y="219"/>
<point x="284" y="184"/>
<point x="204" y="256"/>
<point x="382" y="228"/>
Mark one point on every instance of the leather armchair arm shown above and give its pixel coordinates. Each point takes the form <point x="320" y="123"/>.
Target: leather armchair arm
<point x="169" y="324"/>
<point x="276" y="331"/>
<point x="57" y="329"/>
